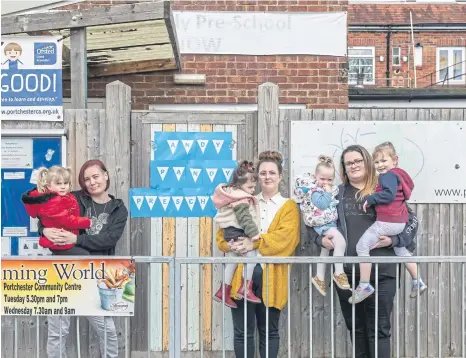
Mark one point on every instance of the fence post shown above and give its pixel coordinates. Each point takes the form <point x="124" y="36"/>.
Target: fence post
<point x="268" y="114"/>
<point x="115" y="153"/>
<point x="115" y="147"/>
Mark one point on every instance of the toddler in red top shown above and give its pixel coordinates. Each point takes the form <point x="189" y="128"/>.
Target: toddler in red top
<point x="394" y="188"/>
<point x="52" y="202"/>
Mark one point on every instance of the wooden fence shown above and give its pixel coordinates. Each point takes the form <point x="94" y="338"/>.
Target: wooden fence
<point x="92" y="134"/>
<point x="124" y="142"/>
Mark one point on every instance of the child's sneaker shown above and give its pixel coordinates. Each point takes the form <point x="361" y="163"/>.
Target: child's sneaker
<point x="422" y="288"/>
<point x="342" y="281"/>
<point x="319" y="285"/>
<point x="360" y="294"/>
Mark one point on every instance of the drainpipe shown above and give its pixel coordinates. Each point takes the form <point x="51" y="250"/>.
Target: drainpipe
<point x="387" y="73"/>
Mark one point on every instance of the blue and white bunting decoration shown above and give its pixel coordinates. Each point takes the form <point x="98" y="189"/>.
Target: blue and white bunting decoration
<point x="193" y="145"/>
<point x="187" y="168"/>
<point x="190" y="173"/>
<point x="175" y="203"/>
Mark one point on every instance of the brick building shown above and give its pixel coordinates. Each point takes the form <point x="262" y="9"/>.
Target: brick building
<point x="380" y="43"/>
<point x="312" y="81"/>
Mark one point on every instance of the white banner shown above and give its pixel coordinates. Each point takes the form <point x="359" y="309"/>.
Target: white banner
<point x="432" y="152"/>
<point x="262" y="33"/>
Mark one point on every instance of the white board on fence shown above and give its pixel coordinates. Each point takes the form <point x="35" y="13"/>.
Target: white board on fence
<point x="261" y="33"/>
<point x="432" y="152"/>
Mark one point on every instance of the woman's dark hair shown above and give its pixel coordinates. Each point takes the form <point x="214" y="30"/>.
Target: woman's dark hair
<point x="85" y="166"/>
<point x="244" y="171"/>
<point x="270" y="156"/>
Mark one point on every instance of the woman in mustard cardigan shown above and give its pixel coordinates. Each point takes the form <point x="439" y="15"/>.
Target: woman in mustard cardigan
<point x="279" y="221"/>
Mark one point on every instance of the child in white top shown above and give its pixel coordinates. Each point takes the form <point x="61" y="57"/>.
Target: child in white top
<point x="316" y="196"/>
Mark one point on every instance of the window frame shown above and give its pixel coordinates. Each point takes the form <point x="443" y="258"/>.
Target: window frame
<point x="399" y="56"/>
<point x="372" y="48"/>
<point x="462" y="79"/>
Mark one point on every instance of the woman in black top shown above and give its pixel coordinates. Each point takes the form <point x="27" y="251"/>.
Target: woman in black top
<point x="109" y="216"/>
<point x="359" y="180"/>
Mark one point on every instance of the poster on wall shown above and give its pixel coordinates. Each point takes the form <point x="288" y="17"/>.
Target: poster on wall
<point x="32" y="78"/>
<point x="70" y="288"/>
<point x="430" y="151"/>
<point x="21" y="159"/>
<point x="185" y="170"/>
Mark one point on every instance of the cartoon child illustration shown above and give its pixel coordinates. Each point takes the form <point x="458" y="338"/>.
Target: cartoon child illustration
<point x="13" y="51"/>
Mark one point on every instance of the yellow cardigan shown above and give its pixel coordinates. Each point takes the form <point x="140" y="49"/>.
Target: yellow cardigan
<point x="281" y="239"/>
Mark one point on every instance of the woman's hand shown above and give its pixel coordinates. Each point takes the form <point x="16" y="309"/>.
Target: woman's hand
<point x="242" y="246"/>
<point x="230" y="246"/>
<point x="365" y="206"/>
<point x="52" y="234"/>
<point x="60" y="237"/>
<point x="327" y="243"/>
<point x="384" y="241"/>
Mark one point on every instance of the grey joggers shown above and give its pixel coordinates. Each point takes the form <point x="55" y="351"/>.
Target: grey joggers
<point x="97" y="323"/>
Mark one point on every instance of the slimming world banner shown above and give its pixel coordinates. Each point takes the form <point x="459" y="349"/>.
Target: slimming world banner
<point x="68" y="287"/>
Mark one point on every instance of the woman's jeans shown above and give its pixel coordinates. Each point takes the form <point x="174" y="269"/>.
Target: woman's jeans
<point x="97" y="323"/>
<point x="364" y="324"/>
<point x="255" y="312"/>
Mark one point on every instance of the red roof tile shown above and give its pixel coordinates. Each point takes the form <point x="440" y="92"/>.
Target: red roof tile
<point x="382" y="14"/>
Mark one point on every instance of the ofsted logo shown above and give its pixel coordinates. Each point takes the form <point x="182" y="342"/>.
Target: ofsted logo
<point x="45" y="53"/>
<point x="48" y="50"/>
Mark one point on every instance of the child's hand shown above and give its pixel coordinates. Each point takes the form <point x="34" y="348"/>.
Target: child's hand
<point x="365" y="206"/>
<point x="328" y="188"/>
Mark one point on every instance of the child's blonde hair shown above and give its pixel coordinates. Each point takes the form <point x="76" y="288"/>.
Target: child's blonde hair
<point x="387" y="148"/>
<point x="325" y="161"/>
<point x="46" y="176"/>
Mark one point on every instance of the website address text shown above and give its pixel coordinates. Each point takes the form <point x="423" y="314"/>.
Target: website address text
<point x="451" y="192"/>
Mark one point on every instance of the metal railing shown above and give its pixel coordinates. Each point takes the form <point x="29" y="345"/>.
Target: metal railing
<point x="433" y="76"/>
<point x="175" y="266"/>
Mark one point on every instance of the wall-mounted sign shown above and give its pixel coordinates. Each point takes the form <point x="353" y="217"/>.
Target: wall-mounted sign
<point x="69" y="288"/>
<point x="32" y="78"/>
<point x="262" y="33"/>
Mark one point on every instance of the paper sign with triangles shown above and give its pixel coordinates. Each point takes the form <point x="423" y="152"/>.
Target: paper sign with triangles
<point x="190" y="173"/>
<point x="193" y="145"/>
<point x="152" y="203"/>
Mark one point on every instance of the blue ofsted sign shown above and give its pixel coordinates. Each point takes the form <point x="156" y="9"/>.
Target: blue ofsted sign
<point x="32" y="78"/>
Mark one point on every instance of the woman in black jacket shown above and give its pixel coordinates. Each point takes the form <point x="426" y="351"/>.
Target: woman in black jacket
<point x="359" y="181"/>
<point x="109" y="216"/>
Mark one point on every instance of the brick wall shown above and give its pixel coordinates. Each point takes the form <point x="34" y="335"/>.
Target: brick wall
<point x="399" y="14"/>
<point x="310" y="80"/>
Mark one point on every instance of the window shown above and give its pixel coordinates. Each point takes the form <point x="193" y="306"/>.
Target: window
<point x="361" y="60"/>
<point x="451" y="64"/>
<point x="418" y="55"/>
<point x="396" y="56"/>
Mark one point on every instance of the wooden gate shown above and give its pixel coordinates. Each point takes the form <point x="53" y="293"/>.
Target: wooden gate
<point x="181" y="237"/>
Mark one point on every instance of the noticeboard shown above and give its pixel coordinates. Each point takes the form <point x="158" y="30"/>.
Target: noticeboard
<point x="22" y="156"/>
